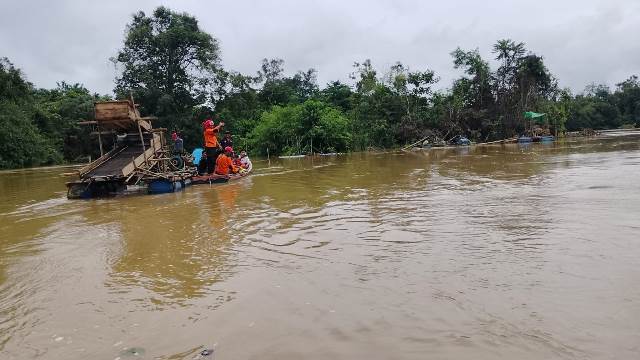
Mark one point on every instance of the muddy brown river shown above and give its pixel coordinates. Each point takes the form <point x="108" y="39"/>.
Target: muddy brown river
<point x="496" y="252"/>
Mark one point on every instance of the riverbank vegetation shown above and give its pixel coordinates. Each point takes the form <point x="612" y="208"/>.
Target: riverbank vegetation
<point x="173" y="69"/>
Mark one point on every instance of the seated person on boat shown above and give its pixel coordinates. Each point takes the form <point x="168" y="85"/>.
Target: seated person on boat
<point x="224" y="163"/>
<point x="236" y="160"/>
<point x="245" y="162"/>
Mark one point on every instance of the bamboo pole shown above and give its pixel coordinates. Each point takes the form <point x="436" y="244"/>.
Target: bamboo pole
<point x="415" y="143"/>
<point x="100" y="141"/>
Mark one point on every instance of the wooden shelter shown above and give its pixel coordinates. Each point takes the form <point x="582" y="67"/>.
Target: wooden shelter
<point x="140" y="152"/>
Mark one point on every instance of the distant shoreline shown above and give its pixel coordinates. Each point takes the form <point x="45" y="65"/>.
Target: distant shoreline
<point x="630" y="131"/>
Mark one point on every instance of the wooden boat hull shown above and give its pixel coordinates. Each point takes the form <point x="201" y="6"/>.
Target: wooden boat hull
<point x="101" y="189"/>
<point x="217" y="179"/>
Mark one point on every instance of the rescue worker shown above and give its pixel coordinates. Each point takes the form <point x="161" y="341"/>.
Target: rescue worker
<point x="224" y="163"/>
<point x="211" y="145"/>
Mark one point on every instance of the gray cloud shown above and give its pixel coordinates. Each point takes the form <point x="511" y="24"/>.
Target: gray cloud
<point x="581" y="41"/>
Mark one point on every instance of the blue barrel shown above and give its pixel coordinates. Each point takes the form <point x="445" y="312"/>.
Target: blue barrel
<point x="162" y="186"/>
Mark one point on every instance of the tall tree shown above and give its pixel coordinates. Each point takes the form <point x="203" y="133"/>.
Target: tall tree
<point x="278" y="89"/>
<point x="365" y="76"/>
<point x="167" y="61"/>
<point x="338" y="95"/>
<point x="412" y="89"/>
<point x="627" y="97"/>
<point x="479" y="77"/>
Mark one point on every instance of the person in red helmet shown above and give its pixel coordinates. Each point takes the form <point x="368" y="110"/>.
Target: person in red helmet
<point x="211" y="144"/>
<point x="224" y="163"/>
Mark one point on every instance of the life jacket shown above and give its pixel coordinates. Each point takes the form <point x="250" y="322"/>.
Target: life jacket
<point x="223" y="164"/>
<point x="210" y="138"/>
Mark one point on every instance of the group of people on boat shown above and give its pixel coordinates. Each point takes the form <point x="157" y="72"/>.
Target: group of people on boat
<point x="218" y="156"/>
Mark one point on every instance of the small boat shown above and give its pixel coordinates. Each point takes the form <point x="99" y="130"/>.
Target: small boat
<point x="218" y="179"/>
<point x="292" y="156"/>
<point x="525" y="139"/>
<point x="547" y="138"/>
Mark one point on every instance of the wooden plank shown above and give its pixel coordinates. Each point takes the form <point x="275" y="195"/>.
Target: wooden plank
<point x="108" y="112"/>
<point x="154" y="147"/>
<point x="110" y="132"/>
<point x="99" y="161"/>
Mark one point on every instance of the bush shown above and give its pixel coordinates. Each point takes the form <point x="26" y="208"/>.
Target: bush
<point x="293" y="128"/>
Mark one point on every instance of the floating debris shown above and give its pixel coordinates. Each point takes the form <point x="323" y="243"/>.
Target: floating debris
<point x="204" y="354"/>
<point x="133" y="351"/>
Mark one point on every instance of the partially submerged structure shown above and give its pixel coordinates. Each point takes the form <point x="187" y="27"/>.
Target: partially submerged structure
<point x="140" y="154"/>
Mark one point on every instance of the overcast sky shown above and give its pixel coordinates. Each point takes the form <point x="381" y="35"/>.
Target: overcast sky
<point x="582" y="41"/>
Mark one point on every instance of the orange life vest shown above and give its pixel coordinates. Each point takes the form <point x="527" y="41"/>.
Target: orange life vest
<point x="210" y="138"/>
<point x="224" y="164"/>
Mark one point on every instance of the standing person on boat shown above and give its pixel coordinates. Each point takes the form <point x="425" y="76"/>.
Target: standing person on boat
<point x="178" y="143"/>
<point x="211" y="144"/>
<point x="224" y="163"/>
<point x="227" y="140"/>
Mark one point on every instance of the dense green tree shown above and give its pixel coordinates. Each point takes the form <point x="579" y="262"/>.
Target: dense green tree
<point x="594" y="109"/>
<point x="23" y="143"/>
<point x="477" y="80"/>
<point x="365" y="76"/>
<point x="167" y="61"/>
<point x="58" y="112"/>
<point x="627" y="99"/>
<point x="558" y="109"/>
<point x="13" y="87"/>
<point x="170" y="65"/>
<point x="277" y="89"/>
<point x="292" y="129"/>
<point x="338" y="95"/>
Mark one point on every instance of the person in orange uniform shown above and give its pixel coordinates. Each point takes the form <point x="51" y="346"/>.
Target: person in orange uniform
<point x="211" y="144"/>
<point x="224" y="163"/>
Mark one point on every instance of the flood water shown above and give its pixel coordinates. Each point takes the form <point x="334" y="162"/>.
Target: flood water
<point x="490" y="252"/>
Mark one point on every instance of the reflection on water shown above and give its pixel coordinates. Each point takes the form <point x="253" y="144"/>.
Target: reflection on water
<point x="482" y="252"/>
